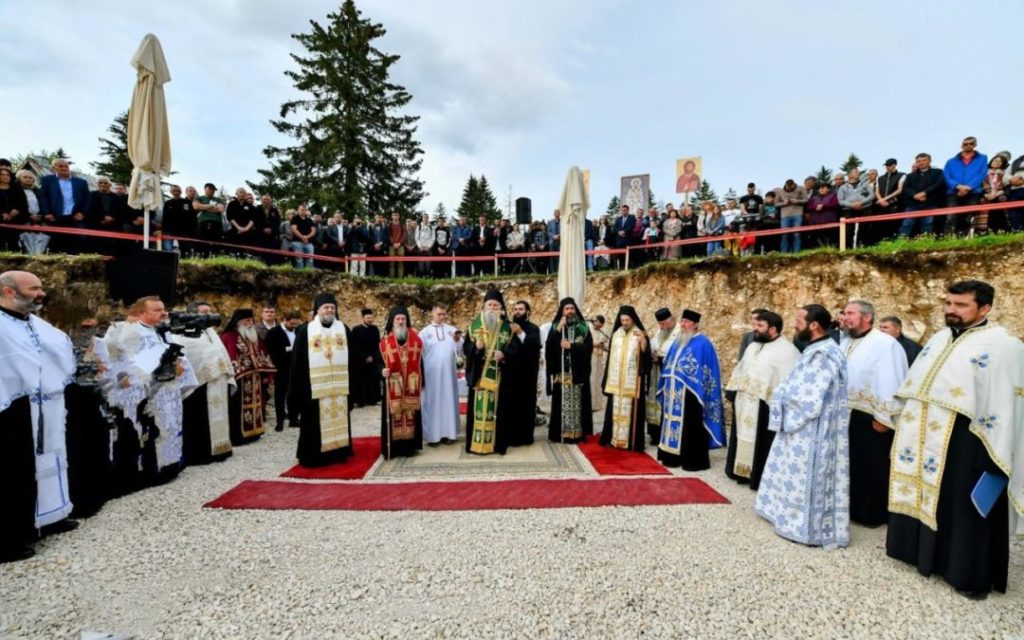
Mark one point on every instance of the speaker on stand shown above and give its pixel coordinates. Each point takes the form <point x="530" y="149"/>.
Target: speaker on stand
<point x="143" y="272"/>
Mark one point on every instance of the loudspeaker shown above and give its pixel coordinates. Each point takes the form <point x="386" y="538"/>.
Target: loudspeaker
<point x="143" y="272"/>
<point x="524" y="211"/>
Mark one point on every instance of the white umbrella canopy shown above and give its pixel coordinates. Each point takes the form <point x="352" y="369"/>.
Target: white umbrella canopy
<point x="149" y="141"/>
<point x="572" y="273"/>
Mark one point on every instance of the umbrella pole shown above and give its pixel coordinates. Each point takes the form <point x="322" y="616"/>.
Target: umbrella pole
<point x="145" y="229"/>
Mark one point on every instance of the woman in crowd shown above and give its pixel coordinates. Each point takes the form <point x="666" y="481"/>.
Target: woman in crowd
<point x="424" y="238"/>
<point x="671" y="229"/>
<point x="823" y="208"/>
<point x="13" y="209"/>
<point x="603" y="240"/>
<point x="33" y="242"/>
<point x="992" y="191"/>
<point x="714" y="226"/>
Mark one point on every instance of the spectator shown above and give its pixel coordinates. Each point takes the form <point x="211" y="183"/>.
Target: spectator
<point x="623" y="233"/>
<point x="714" y="226"/>
<point x="993" y="190"/>
<point x="554" y="239"/>
<point x="751" y="203"/>
<point x="965" y="173"/>
<point x="396" y="244"/>
<point x="838" y="180"/>
<point x="515" y="242"/>
<point x="358" y="240"/>
<point x="462" y="246"/>
<point x="303" y="232"/>
<point x="539" y="244"/>
<point x="442" y="247"/>
<point x="335" y="239"/>
<point x="178" y="218"/>
<point x="64" y="203"/>
<point x="379" y="233"/>
<point x="484" y="242"/>
<point x="241" y="215"/>
<point x="888" y="192"/>
<point x="13" y="209"/>
<point x="823" y="208"/>
<point x="731" y="214"/>
<point x="32" y="242"/>
<point x="771" y="217"/>
<point x="424" y="237"/>
<point x="1014" y="181"/>
<point x="671" y="230"/>
<point x="688" y="230"/>
<point x="791" y="200"/>
<point x="855" y="199"/>
<point x="268" y="222"/>
<point x="210" y="221"/>
<point x="811" y="185"/>
<point x="107" y="212"/>
<point x="589" y="235"/>
<point x="603" y="240"/>
<point x="284" y="233"/>
<point x="409" y="268"/>
<point x="923" y="188"/>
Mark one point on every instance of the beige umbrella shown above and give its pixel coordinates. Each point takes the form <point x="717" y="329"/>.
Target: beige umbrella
<point x="149" y="142"/>
<point x="573" y="205"/>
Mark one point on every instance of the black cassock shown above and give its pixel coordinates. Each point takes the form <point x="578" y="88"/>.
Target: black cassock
<point x="694" y="441"/>
<point x="970" y="552"/>
<point x="88" y="429"/>
<point x="17" y="476"/>
<point x="517" y="396"/>
<point x="195" y="433"/>
<point x="762" y="445"/>
<point x="577" y="361"/>
<point x="306" y="409"/>
<point x="364" y="377"/>
<point x="639" y="430"/>
<point x="869" y="471"/>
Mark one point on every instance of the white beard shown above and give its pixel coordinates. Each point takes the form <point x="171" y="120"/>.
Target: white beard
<point x="684" y="337"/>
<point x="491" y="320"/>
<point x="249" y="333"/>
<point x="326" y="319"/>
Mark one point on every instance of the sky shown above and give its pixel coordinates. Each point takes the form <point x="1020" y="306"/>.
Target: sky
<point x="521" y="91"/>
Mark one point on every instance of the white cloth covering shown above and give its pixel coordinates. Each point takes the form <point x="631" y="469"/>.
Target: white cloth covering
<point x="212" y="365"/>
<point x="440" y="395"/>
<point x="37" y="360"/>
<point x="876" y="365"/>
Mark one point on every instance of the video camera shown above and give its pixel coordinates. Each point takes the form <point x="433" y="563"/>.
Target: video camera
<point x="191" y="325"/>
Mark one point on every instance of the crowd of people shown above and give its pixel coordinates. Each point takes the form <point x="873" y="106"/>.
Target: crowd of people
<point x="386" y="244"/>
<point x="851" y="420"/>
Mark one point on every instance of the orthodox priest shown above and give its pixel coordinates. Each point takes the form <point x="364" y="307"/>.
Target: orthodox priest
<point x="440" y="402"/>
<point x="489" y="335"/>
<point x="805" y="489"/>
<point x="253" y="369"/>
<point x="690" y="394"/>
<point x="206" y="434"/>
<point x="365" y="362"/>
<point x="957" y="481"/>
<point x="519" y="371"/>
<point x="661" y="341"/>
<point x="600" y="337"/>
<point x="318" y="394"/>
<point x="401" y="424"/>
<point x="764" y="365"/>
<point x="567" y="352"/>
<point x="625" y="382"/>
<point x="876" y="366"/>
<point x="36" y="364"/>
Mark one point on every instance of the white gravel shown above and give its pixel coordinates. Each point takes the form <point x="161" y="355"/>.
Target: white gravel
<point x="157" y="565"/>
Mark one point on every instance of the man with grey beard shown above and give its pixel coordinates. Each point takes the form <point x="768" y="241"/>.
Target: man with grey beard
<point x="401" y="418"/>
<point x="253" y="371"/>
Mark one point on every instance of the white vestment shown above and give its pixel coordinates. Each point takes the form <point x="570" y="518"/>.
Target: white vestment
<point x="212" y="365"/>
<point x="439" y="399"/>
<point x="600" y="355"/>
<point x="876" y="365"/>
<point x="37" y="360"/>
<point x="541" y="382"/>
<point x="661" y="342"/>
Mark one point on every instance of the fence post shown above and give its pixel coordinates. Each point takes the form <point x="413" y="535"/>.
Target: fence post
<point x="842" y="234"/>
<point x="627" y="259"/>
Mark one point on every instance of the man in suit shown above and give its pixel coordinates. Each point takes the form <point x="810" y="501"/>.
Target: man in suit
<point x="623" y="233"/>
<point x="894" y="327"/>
<point x="484" y="242"/>
<point x="279" y="343"/>
<point x="64" y="201"/>
<point x="589" y="240"/>
<point x="554" y="239"/>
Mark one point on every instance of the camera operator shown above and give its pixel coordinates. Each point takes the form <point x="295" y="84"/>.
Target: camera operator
<point x="147" y="379"/>
<point x="205" y="433"/>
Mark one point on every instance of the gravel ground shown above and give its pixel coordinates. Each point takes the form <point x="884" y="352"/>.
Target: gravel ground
<point x="157" y="565"/>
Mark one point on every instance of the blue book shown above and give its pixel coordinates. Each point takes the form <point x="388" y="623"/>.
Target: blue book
<point x="988" y="489"/>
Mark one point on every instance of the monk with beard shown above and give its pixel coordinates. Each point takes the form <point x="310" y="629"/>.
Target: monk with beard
<point x="253" y="369"/>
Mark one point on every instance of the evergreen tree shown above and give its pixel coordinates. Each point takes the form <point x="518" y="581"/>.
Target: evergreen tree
<point x="467" y="207"/>
<point x="824" y="175"/>
<point x="613" y="206"/>
<point x="116" y="164"/>
<point x="704" y="194"/>
<point x="488" y="203"/>
<point x="354" y="148"/>
<point x="440" y="212"/>
<point x="853" y="162"/>
<point x="478" y="200"/>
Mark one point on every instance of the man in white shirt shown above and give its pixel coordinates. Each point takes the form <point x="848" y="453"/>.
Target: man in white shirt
<point x="439" y="400"/>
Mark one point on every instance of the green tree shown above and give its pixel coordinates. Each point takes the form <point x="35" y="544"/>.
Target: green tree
<point x="440" y="212"/>
<point x="115" y="164"/>
<point x="355" y="149"/>
<point x="488" y="203"/>
<point x="824" y="175"/>
<point x="478" y="200"/>
<point x="704" y="194"/>
<point x="613" y="206"/>
<point x="853" y="162"/>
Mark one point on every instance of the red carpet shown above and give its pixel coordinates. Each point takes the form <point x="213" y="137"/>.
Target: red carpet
<point x="609" y="461"/>
<point x="467" y="496"/>
<point x="365" y="452"/>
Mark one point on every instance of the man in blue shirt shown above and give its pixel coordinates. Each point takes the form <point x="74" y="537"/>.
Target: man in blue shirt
<point x="965" y="173"/>
<point x="66" y="199"/>
<point x="462" y="235"/>
<point x="554" y="239"/>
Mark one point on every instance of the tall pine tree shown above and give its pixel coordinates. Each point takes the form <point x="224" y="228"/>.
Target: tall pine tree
<point x="824" y="175"/>
<point x="354" y="148"/>
<point x="478" y="200"/>
<point x="704" y="194"/>
<point x="613" y="206"/>
<point x="488" y="203"/>
<point x="853" y="162"/>
<point x="115" y="164"/>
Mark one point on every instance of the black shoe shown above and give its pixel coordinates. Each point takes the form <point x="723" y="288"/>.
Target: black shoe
<point x="279" y="427"/>
<point x="446" y="440"/>
<point x="62" y="526"/>
<point x="15" y="554"/>
<point x="433" y="444"/>
<point x="973" y="594"/>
